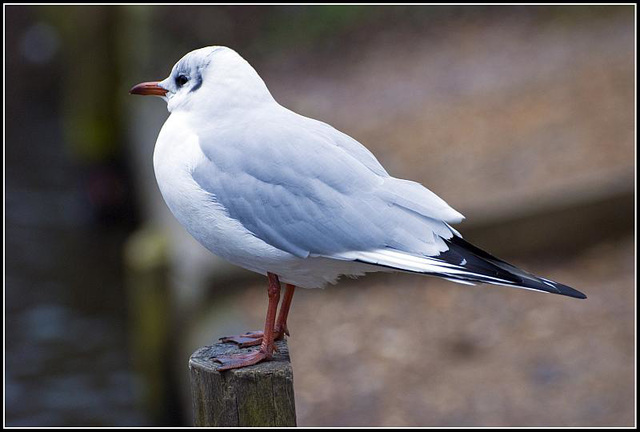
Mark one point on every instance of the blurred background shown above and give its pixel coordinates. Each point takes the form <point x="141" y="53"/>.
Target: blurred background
<point x="522" y="118"/>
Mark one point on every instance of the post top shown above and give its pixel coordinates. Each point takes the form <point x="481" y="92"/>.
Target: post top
<point x="202" y="358"/>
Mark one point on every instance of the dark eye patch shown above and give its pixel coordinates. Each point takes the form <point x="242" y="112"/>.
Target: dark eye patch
<point x="184" y="73"/>
<point x="197" y="81"/>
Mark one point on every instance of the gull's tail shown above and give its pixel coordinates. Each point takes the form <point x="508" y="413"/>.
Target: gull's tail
<point x="467" y="264"/>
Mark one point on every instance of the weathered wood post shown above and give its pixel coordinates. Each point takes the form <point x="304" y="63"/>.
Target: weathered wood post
<point x="258" y="395"/>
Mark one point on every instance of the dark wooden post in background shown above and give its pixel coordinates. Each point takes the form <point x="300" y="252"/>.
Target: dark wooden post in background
<point x="258" y="395"/>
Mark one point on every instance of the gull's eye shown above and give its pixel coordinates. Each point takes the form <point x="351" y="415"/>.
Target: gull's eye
<point x="181" y="80"/>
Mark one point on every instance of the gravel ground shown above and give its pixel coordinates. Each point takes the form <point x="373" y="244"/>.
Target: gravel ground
<point x="404" y="350"/>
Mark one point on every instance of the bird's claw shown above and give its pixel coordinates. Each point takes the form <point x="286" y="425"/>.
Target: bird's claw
<point x="244" y="340"/>
<point x="253" y="338"/>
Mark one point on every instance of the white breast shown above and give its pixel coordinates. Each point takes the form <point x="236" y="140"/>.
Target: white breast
<point x="176" y="153"/>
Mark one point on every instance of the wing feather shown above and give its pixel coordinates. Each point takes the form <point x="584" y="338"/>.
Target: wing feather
<point x="308" y="189"/>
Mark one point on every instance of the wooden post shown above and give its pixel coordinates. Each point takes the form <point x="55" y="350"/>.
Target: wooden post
<point x="258" y="395"/>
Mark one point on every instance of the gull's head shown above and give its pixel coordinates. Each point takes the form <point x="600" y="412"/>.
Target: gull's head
<point x="209" y="79"/>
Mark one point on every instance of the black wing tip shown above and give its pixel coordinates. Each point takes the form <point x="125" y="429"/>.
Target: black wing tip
<point x="570" y="292"/>
<point x="514" y="274"/>
<point x="558" y="288"/>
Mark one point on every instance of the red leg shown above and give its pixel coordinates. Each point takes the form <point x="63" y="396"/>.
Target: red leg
<point x="265" y="352"/>
<point x="281" y="324"/>
<point x="254" y="338"/>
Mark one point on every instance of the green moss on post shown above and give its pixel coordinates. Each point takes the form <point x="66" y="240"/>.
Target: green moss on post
<point x="258" y="395"/>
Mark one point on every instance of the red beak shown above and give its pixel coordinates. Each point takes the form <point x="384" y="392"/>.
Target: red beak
<point x="148" y="88"/>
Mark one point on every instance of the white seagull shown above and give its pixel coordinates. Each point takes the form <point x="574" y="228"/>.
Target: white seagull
<point x="293" y="198"/>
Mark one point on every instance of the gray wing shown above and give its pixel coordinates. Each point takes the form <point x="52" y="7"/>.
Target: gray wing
<point x="306" y="188"/>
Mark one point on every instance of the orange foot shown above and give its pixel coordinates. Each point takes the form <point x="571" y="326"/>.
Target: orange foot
<point x="250" y="338"/>
<point x="253" y="338"/>
<point x="234" y="361"/>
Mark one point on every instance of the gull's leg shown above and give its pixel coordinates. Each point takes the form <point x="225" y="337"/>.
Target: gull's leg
<point x="281" y="324"/>
<point x="254" y="338"/>
<point x="234" y="361"/>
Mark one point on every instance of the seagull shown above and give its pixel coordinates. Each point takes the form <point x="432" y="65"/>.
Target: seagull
<point x="296" y="200"/>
